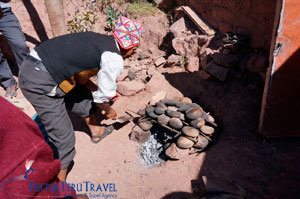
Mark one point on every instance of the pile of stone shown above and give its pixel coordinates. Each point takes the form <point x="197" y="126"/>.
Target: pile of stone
<point x="189" y="126"/>
<point x="213" y="56"/>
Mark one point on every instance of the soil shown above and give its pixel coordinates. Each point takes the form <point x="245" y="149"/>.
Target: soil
<point x="264" y="168"/>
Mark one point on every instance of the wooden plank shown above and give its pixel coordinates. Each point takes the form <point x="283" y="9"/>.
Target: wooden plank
<point x="201" y="24"/>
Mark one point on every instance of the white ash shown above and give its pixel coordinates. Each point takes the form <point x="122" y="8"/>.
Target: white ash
<point x="150" y="151"/>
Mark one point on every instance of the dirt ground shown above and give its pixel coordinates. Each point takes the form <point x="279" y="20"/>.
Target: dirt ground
<point x="264" y="168"/>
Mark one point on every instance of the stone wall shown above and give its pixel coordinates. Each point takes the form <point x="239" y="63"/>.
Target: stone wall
<point x="251" y="17"/>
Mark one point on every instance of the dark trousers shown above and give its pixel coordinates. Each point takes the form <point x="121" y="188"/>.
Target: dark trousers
<point x="11" y="30"/>
<point x="37" y="86"/>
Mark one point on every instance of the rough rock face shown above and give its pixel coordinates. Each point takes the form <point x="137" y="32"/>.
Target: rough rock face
<point x="154" y="30"/>
<point x="189" y="45"/>
<point x="193" y="64"/>
<point x="130" y="87"/>
<point x="174" y="60"/>
<point x="179" y="27"/>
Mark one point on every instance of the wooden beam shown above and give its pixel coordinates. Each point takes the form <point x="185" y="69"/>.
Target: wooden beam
<point x="56" y="17"/>
<point x="200" y="23"/>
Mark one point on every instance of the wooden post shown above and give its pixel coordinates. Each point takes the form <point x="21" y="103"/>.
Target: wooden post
<point x="56" y="17"/>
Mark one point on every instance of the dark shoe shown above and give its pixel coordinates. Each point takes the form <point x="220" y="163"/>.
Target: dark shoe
<point x="11" y="91"/>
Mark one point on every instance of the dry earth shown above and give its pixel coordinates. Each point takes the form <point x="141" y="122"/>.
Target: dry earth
<point x="264" y="168"/>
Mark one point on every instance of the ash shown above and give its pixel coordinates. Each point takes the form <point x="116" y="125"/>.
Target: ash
<point x="150" y="152"/>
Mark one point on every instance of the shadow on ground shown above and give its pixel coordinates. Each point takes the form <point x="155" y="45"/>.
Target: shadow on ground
<point x="265" y="169"/>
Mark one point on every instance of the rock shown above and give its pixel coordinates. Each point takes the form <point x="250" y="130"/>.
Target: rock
<point x="217" y="71"/>
<point x="174" y="60"/>
<point x="175" y="123"/>
<point x="140" y="137"/>
<point x="208" y="130"/>
<point x="184" y="143"/>
<point x="149" y="109"/>
<point x="204" y="75"/>
<point x="152" y="115"/>
<point x="128" y="88"/>
<point x="157" y="97"/>
<point x="182" y="117"/>
<point x="194" y="105"/>
<point x="160" y="104"/>
<point x="257" y="63"/>
<point x="206" y="56"/>
<point x="131" y="75"/>
<point x="186" y="99"/>
<point x="198" y="123"/>
<point x="160" y="61"/>
<point x="225" y="60"/>
<point x="159" y="110"/>
<point x="186" y="46"/>
<point x="190" y="131"/>
<point x="210" y="118"/>
<point x="178" y="45"/>
<point x="202" y="142"/>
<point x="143" y="55"/>
<point x="193" y="64"/>
<point x="191" y="46"/>
<point x="194" y="114"/>
<point x="172" y="108"/>
<point x="141" y="112"/>
<point x="163" y="119"/>
<point x="233" y="47"/>
<point x="146" y="125"/>
<point x="175" y="153"/>
<point x="184" y="108"/>
<point x="169" y="102"/>
<point x="179" y="27"/>
<point x="173" y="114"/>
<point x="123" y="75"/>
<point x="202" y="39"/>
<point x="181" y="104"/>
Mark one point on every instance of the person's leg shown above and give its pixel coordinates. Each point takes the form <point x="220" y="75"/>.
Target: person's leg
<point x="80" y="102"/>
<point x="6" y="77"/>
<point x="11" y="30"/>
<point x="35" y="85"/>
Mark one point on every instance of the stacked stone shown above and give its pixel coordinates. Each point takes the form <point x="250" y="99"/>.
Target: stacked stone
<point x="193" y="127"/>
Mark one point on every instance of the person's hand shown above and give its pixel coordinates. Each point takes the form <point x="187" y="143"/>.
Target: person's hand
<point x="116" y="97"/>
<point x="109" y="112"/>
